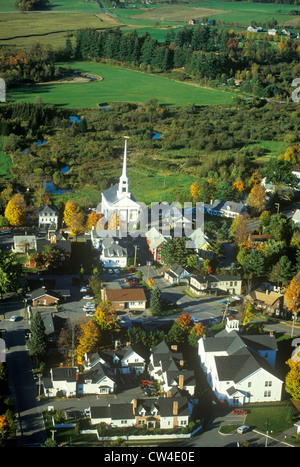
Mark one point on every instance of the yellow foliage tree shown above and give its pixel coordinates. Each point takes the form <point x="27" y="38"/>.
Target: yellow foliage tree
<point x="257" y="198"/>
<point x="194" y="189"/>
<point x="15" y="211"/>
<point x="106" y="316"/>
<point x="292" y="295"/>
<point x="89" y="336"/>
<point x="71" y="208"/>
<point x="92" y="220"/>
<point x="76" y="224"/>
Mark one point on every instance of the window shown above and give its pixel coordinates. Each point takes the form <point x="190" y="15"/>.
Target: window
<point x="249" y="384"/>
<point x="123" y="422"/>
<point x="268" y="384"/>
<point x="267" y="394"/>
<point x="183" y="422"/>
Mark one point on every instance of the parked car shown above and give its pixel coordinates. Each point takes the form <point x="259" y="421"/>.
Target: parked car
<point x="239" y="412"/>
<point x="13" y="318"/>
<point x="195" y="320"/>
<point x="88" y="297"/>
<point x="225" y="302"/>
<point x="242" y="429"/>
<point x="89" y="313"/>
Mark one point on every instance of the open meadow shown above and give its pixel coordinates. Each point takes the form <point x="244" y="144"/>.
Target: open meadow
<point x="118" y="85"/>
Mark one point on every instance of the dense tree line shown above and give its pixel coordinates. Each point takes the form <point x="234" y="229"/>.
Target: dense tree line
<point x="204" y="53"/>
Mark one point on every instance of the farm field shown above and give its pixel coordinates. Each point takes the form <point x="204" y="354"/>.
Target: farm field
<point x="48" y="27"/>
<point x="120" y="85"/>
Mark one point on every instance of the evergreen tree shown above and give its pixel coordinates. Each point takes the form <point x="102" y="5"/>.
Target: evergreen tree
<point x="156" y="301"/>
<point x="37" y="344"/>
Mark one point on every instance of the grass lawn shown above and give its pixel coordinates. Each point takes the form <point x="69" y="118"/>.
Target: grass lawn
<point x="118" y="85"/>
<point x="5" y="162"/>
<point x="276" y="418"/>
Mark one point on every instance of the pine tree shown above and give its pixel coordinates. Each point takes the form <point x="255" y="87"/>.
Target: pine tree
<point x="37" y="344"/>
<point x="156" y="301"/>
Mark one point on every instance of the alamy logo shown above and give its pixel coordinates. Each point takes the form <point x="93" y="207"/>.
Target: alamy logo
<point x="2" y="90"/>
<point x="295" y="97"/>
<point x="2" y="350"/>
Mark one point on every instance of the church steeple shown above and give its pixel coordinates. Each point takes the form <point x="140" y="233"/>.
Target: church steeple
<point x="123" y="189"/>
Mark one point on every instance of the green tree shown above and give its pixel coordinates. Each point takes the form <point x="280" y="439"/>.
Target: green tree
<point x="156" y="301"/>
<point x="174" y="251"/>
<point x="10" y="272"/>
<point x="37" y="344"/>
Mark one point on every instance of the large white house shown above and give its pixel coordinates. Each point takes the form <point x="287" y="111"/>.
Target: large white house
<point x="117" y="200"/>
<point x="240" y="368"/>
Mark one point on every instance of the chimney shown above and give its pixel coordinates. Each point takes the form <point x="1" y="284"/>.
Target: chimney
<point x="271" y="333"/>
<point x="181" y="381"/>
<point x="169" y="394"/>
<point x="128" y="343"/>
<point x="181" y="363"/>
<point x="174" y="347"/>
<point x="134" y="405"/>
<point x="175" y="408"/>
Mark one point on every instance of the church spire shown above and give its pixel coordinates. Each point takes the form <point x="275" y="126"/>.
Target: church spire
<point x="123" y="183"/>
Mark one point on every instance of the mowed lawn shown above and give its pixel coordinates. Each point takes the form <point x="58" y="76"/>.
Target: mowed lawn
<point x="118" y="85"/>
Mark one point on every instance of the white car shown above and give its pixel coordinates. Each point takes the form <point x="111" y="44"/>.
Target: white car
<point x="110" y="271"/>
<point x="89" y="313"/>
<point x="13" y="318"/>
<point x="87" y="297"/>
<point x="195" y="320"/>
<point x="84" y="289"/>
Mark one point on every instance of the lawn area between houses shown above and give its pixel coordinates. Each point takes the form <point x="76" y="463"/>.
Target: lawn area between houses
<point x="274" y="418"/>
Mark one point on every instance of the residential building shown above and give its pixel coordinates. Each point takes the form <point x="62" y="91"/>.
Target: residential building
<point x="61" y="381"/>
<point x="215" y="284"/>
<point x="155" y="241"/>
<point x="24" y="243"/>
<point x="168" y="367"/>
<point x="296" y="217"/>
<point x="97" y="380"/>
<point x="240" y="368"/>
<point x="47" y="216"/>
<point x="254" y="28"/>
<point x="45" y="297"/>
<point x="114" y="253"/>
<point x="163" y="412"/>
<point x="267" y="301"/>
<point x="123" y="361"/>
<point x="230" y="209"/>
<point x="176" y="274"/>
<point x="122" y="299"/>
<point x="200" y="242"/>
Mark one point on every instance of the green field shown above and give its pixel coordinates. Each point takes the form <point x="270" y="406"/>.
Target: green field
<point x="118" y="85"/>
<point x="5" y="162"/>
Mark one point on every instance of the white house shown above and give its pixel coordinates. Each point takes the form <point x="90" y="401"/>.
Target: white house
<point x="167" y="366"/>
<point x="118" y="199"/>
<point x="200" y="242"/>
<point x="167" y="413"/>
<point x="123" y="361"/>
<point x="62" y="380"/>
<point x="114" y="253"/>
<point x="96" y="381"/>
<point x="272" y="32"/>
<point x="176" y="274"/>
<point x="240" y="368"/>
<point x="47" y="217"/>
<point x="230" y="209"/>
<point x="24" y="243"/>
<point x="213" y="283"/>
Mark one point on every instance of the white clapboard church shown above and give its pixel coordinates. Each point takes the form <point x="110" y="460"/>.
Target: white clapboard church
<point x="118" y="199"/>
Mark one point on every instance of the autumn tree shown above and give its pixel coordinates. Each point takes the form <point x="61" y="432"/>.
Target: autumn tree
<point x="248" y="313"/>
<point x="106" y="316"/>
<point x="292" y="380"/>
<point x="76" y="224"/>
<point x="255" y="179"/>
<point x="92" y="220"/>
<point x="15" y="211"/>
<point x="292" y="295"/>
<point x="71" y="208"/>
<point x="257" y="199"/>
<point x="194" y="189"/>
<point x="196" y="333"/>
<point x="238" y="189"/>
<point x="185" y="321"/>
<point x="239" y="229"/>
<point x="88" y="339"/>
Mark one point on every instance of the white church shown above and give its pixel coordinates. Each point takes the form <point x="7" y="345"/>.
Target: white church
<point x="118" y="199"/>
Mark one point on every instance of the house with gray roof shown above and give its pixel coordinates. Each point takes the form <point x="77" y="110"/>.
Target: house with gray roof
<point x="168" y="367"/>
<point x="240" y="368"/>
<point x="163" y="412"/>
<point x="48" y="217"/>
<point x="114" y="253"/>
<point x="230" y="209"/>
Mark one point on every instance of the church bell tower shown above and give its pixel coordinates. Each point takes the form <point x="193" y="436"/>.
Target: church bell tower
<point x="123" y="189"/>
